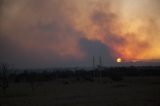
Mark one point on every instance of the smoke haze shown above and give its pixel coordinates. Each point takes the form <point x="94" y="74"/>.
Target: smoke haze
<point x="44" y="33"/>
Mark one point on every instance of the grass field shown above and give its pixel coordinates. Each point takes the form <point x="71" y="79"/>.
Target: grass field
<point x="131" y="91"/>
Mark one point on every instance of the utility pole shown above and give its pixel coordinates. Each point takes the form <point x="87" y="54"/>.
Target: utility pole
<point x="100" y="61"/>
<point x="93" y="62"/>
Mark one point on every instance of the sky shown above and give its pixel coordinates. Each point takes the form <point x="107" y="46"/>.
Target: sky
<point x="58" y="33"/>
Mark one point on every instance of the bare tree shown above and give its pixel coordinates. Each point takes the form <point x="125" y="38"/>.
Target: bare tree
<point x="4" y="77"/>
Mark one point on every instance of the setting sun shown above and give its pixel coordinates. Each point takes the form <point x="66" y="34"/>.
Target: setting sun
<point x="119" y="60"/>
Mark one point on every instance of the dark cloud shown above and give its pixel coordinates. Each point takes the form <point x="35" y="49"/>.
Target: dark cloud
<point x="37" y="32"/>
<point x="97" y="49"/>
<point x="43" y="33"/>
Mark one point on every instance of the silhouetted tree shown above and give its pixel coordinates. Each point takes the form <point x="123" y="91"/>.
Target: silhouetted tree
<point x="31" y="79"/>
<point x="4" y="77"/>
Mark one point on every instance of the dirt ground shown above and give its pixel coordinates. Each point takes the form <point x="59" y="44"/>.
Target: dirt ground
<point x="131" y="91"/>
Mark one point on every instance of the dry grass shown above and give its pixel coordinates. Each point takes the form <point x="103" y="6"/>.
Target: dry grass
<point x="132" y="91"/>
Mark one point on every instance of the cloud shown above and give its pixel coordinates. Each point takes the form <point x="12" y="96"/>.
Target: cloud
<point x="44" y="32"/>
<point x="38" y="29"/>
<point x="126" y="27"/>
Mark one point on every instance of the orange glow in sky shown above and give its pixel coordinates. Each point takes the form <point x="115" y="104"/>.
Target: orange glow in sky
<point x="129" y="29"/>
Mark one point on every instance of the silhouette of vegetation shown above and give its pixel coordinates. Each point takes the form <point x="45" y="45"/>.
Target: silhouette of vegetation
<point x="72" y="75"/>
<point x="114" y="73"/>
<point x="4" y="68"/>
<point x="36" y="80"/>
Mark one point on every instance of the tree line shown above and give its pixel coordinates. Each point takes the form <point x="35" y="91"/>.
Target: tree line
<point x="9" y="75"/>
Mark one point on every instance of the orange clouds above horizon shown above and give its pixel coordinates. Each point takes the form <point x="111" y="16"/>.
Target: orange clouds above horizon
<point x="130" y="28"/>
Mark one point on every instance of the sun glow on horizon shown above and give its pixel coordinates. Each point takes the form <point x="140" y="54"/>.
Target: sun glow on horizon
<point x="63" y="32"/>
<point x="119" y="60"/>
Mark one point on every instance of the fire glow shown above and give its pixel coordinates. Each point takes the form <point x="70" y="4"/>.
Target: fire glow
<point x="132" y="34"/>
<point x="130" y="28"/>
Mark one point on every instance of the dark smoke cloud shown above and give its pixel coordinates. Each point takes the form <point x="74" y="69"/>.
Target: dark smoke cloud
<point x="43" y="33"/>
<point x="30" y="33"/>
<point x="38" y="34"/>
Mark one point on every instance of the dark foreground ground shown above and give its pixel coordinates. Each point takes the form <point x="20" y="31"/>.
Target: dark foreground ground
<point x="131" y="91"/>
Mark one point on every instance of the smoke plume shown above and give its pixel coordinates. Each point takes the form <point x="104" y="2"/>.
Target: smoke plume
<point x="46" y="30"/>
